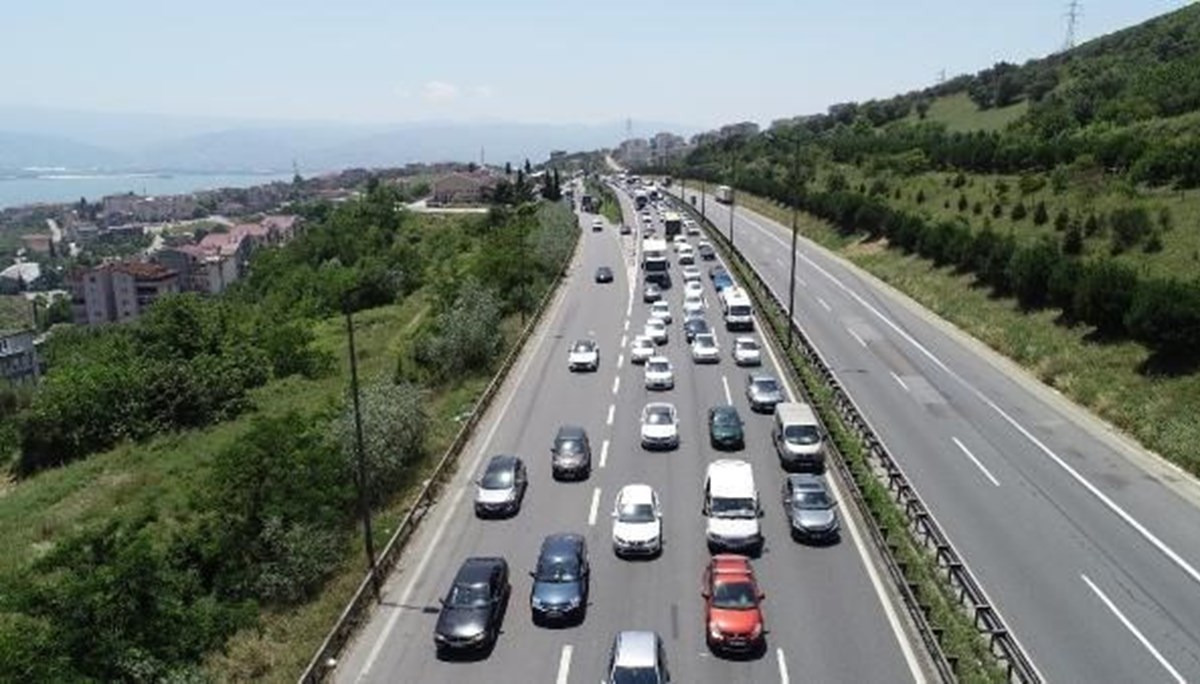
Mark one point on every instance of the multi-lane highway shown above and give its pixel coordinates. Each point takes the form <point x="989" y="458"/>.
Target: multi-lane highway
<point x="1088" y="546"/>
<point x="829" y="613"/>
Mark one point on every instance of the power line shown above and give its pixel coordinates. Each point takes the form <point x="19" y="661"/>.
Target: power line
<point x="1074" y="12"/>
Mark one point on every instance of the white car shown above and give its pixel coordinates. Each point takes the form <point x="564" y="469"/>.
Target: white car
<point x="705" y="349"/>
<point x="680" y="241"/>
<point x="746" y="352"/>
<point x="659" y="374"/>
<point x="693" y="287"/>
<point x="584" y="355"/>
<point x="660" y="426"/>
<point x="637" y="522"/>
<point x="693" y="304"/>
<point x="692" y="273"/>
<point x="687" y="255"/>
<point x="692" y="227"/>
<point x="661" y="310"/>
<point x="656" y="330"/>
<point x="641" y="349"/>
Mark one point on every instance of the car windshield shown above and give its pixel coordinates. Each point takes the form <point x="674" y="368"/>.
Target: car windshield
<point x="658" y="418"/>
<point x="734" y="596"/>
<point x="802" y="434"/>
<point x="569" y="446"/>
<point x="733" y="508"/>
<point x="655" y="324"/>
<point x="557" y="570"/>
<point x="705" y="341"/>
<point x="583" y="346"/>
<point x="643" y="344"/>
<point x="658" y="367"/>
<point x="497" y="478"/>
<point x="468" y="595"/>
<point x="811" y="499"/>
<point x="747" y="345"/>
<point x="635" y="675"/>
<point x="636" y="513"/>
<point x="725" y="418"/>
<point x="766" y="385"/>
<point x="739" y="310"/>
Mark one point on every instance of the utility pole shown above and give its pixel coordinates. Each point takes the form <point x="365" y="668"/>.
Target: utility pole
<point x="732" y="192"/>
<point x="364" y="507"/>
<point x="703" y="197"/>
<point x="1074" y="12"/>
<point x="795" y="231"/>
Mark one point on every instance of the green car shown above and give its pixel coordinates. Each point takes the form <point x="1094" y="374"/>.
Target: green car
<point x="725" y="428"/>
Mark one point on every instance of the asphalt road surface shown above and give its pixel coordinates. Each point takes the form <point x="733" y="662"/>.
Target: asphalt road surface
<point x="829" y="614"/>
<point x="1087" y="545"/>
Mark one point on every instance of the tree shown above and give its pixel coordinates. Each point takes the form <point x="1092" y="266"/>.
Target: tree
<point x="1165" y="314"/>
<point x="394" y="424"/>
<point x="962" y="203"/>
<point x="1040" y="216"/>
<point x="1129" y="226"/>
<point x="508" y="168"/>
<point x="1018" y="211"/>
<point x="1103" y="295"/>
<point x="1029" y="272"/>
<point x="977" y="208"/>
<point x="921" y="196"/>
<point x="922" y="107"/>
<point x="1091" y="226"/>
<point x="997" y="210"/>
<point x="1062" y="220"/>
<point x="1073" y="240"/>
<point x="528" y="167"/>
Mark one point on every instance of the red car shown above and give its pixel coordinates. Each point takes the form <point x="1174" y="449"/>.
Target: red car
<point x="733" y="606"/>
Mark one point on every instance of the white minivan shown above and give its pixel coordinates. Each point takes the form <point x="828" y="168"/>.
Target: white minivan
<point x="735" y="306"/>
<point x="797" y="437"/>
<point x="731" y="508"/>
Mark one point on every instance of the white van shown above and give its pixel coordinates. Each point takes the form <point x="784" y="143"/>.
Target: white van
<point x="797" y="437"/>
<point x="731" y="508"/>
<point x="735" y="306"/>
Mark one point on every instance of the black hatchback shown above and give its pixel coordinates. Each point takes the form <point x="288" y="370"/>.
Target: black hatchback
<point x="604" y="274"/>
<point x="725" y="430"/>
<point x="560" y="580"/>
<point x="474" y="607"/>
<point x="571" y="454"/>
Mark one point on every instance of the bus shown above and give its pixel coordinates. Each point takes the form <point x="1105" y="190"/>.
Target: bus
<point x="672" y="224"/>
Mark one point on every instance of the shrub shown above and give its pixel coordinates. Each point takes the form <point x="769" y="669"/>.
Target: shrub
<point x="1030" y="184"/>
<point x="1062" y="220"/>
<point x="1040" y="216"/>
<point x="1165" y="314"/>
<point x="1073" y="240"/>
<point x="1018" y="211"/>
<point x="1129" y="226"/>
<point x="466" y="338"/>
<point x="977" y="208"/>
<point x="1103" y="295"/>
<point x="962" y="203"/>
<point x="1091" y="226"/>
<point x="995" y="264"/>
<point x="997" y="210"/>
<point x="1060" y="288"/>
<point x="1029" y="272"/>
<point x="394" y="425"/>
<point x="921" y="196"/>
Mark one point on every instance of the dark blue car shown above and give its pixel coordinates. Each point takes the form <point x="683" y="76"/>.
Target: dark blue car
<point x="560" y="581"/>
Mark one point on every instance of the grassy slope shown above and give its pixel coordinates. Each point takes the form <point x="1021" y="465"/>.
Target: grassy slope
<point x="960" y="114"/>
<point x="15" y="312"/>
<point x="1158" y="411"/>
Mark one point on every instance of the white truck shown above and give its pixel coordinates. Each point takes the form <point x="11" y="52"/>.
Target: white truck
<point x="736" y="309"/>
<point x="724" y="194"/>
<point x="654" y="261"/>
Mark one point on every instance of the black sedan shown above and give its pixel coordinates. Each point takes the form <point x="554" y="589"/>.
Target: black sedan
<point x="560" y="581"/>
<point x="474" y="607"/>
<point x="725" y="429"/>
<point x="604" y="274"/>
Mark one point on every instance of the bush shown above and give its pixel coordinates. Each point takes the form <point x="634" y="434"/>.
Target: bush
<point x="394" y="425"/>
<point x="977" y="208"/>
<point x="921" y="196"/>
<point x="1018" y="211"/>
<point x="1165" y="314"/>
<point x="1091" y="226"/>
<point x="1030" y="184"/>
<point x="1040" y="216"/>
<point x="1073" y="240"/>
<point x="1129" y="226"/>
<point x="1060" y="288"/>
<point x="1103" y="295"/>
<point x="1062" y="220"/>
<point x="997" y="210"/>
<point x="962" y="203"/>
<point x="1029" y="272"/>
<point x="466" y="337"/>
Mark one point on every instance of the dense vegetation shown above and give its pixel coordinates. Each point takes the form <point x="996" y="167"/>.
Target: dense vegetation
<point x="1060" y="209"/>
<point x="144" y="592"/>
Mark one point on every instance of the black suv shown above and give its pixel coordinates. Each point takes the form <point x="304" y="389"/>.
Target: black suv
<point x="474" y="607"/>
<point x="560" y="580"/>
<point x="571" y="454"/>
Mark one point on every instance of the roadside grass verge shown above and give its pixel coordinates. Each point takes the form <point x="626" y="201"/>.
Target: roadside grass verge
<point x="1108" y="378"/>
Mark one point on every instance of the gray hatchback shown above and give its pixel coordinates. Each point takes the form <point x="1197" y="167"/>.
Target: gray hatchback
<point x="571" y="454"/>
<point x="810" y="508"/>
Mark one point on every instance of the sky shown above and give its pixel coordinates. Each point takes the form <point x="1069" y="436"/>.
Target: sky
<point x="696" y="63"/>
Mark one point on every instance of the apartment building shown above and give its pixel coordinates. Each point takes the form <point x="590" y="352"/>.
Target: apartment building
<point x="119" y="292"/>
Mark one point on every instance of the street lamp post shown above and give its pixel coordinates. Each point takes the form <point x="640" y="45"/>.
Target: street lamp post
<point x="703" y="197"/>
<point x="795" y="220"/>
<point x="732" y="192"/>
<point x="364" y="508"/>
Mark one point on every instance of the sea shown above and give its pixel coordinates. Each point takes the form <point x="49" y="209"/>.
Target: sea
<point x="65" y="186"/>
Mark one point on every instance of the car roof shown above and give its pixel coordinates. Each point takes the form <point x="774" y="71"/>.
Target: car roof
<point x="561" y="546"/>
<point x="636" y="493"/>
<point x="660" y="406"/>
<point x="741" y="339"/>
<point x="477" y="569"/>
<point x="635" y="649"/>
<point x="807" y="481"/>
<point x="571" y="432"/>
<point x="731" y="478"/>
<point x="754" y="377"/>
<point x="658" y="358"/>
<point x="731" y="564"/>
<point x="724" y="408"/>
<point x="502" y="462"/>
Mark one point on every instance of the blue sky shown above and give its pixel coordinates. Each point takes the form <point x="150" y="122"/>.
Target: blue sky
<point x="695" y="62"/>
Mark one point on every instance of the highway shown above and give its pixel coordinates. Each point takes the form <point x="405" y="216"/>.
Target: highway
<point x="829" y="613"/>
<point x="1087" y="545"/>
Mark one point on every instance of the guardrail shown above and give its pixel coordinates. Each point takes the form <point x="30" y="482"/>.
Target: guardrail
<point x="357" y="609"/>
<point x="922" y="526"/>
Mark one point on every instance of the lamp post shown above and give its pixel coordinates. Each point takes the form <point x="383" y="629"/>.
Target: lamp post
<point x="364" y="508"/>
<point x="795" y="230"/>
<point x="703" y="197"/>
<point x="732" y="192"/>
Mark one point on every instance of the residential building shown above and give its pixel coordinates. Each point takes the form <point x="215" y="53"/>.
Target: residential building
<point x="19" y="361"/>
<point x="220" y="259"/>
<point x="119" y="291"/>
<point x="38" y="242"/>
<point x="462" y="188"/>
<point x="131" y="207"/>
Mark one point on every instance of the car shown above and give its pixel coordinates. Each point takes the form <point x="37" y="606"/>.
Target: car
<point x="637" y="657"/>
<point x="725" y="428"/>
<point x="625" y="229"/>
<point x="695" y="326"/>
<point x="474" y="607"/>
<point x="571" y="454"/>
<point x="810" y="508"/>
<point x="651" y="292"/>
<point x="722" y="282"/>
<point x="501" y="488"/>
<point x="584" y="355"/>
<point x="656" y="330"/>
<point x="691" y="273"/>
<point x="693" y="287"/>
<point x="733" y="614"/>
<point x="763" y="392"/>
<point x="604" y="274"/>
<point x="661" y="310"/>
<point x="637" y="522"/>
<point x="705" y="349"/>
<point x="706" y="251"/>
<point x="679" y="241"/>
<point x="715" y="271"/>
<point x="694" y="303"/>
<point x="660" y="426"/>
<point x="648" y="231"/>
<point x="658" y="374"/>
<point x="597" y="226"/>
<point x="692" y="228"/>
<point x="560" y="580"/>
<point x="746" y="352"/>
<point x="687" y="255"/>
<point x="642" y="349"/>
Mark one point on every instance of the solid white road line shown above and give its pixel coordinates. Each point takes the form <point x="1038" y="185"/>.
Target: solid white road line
<point x="611" y="408"/>
<point x="1120" y="512"/>
<point x="564" y="664"/>
<point x="620" y="361"/>
<point x="595" y="507"/>
<point x="974" y="460"/>
<point x="604" y="453"/>
<point x="616" y="384"/>
<point x="725" y="384"/>
<point x="899" y="380"/>
<point x="1134" y="630"/>
<point x="825" y="304"/>
<point x="889" y="610"/>
<point x="856" y="336"/>
<point x="783" y="672"/>
<point x="449" y="512"/>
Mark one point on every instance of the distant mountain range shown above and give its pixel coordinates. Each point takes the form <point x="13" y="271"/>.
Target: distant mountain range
<point x="31" y="138"/>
